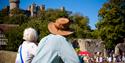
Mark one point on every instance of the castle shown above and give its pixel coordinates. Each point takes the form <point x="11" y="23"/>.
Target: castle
<point x="32" y="9"/>
<point x="14" y="4"/>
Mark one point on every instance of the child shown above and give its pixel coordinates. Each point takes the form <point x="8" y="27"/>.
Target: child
<point x="28" y="48"/>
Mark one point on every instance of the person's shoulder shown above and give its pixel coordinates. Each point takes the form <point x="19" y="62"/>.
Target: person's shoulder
<point x="30" y="43"/>
<point x="52" y="37"/>
<point x="58" y="36"/>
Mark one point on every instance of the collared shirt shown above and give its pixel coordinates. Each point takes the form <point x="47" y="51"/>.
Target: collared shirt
<point x="28" y="52"/>
<point x="52" y="46"/>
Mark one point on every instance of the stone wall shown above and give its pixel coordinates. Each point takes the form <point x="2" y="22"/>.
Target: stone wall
<point x="91" y="45"/>
<point x="7" y="56"/>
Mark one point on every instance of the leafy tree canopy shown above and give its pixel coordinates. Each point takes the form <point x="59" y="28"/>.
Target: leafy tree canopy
<point x="40" y="23"/>
<point x="112" y="22"/>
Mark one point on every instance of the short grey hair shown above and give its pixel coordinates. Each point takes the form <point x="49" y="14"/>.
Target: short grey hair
<point x="30" y="34"/>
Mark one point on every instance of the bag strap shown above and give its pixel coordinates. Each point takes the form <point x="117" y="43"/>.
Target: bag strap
<point x="21" y="54"/>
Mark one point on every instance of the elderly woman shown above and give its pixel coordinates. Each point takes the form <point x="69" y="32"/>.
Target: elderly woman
<point x="55" y="48"/>
<point x="28" y="48"/>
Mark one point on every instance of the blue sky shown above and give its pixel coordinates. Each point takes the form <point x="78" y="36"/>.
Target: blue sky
<point x="87" y="8"/>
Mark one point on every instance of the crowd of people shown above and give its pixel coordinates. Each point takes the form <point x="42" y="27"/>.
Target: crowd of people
<point x="98" y="57"/>
<point x="54" y="48"/>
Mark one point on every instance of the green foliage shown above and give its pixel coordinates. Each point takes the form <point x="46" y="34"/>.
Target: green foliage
<point x="52" y="14"/>
<point x="112" y="22"/>
<point x="18" y="19"/>
<point x="1" y="17"/>
<point x="3" y="13"/>
<point x="80" y="26"/>
<point x="14" y="39"/>
<point x="95" y="34"/>
<point x="40" y="23"/>
<point x="16" y="11"/>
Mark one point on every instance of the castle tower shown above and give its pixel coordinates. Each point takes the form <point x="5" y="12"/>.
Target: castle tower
<point x="14" y="4"/>
<point x="33" y="9"/>
<point x="62" y="8"/>
<point x="42" y="7"/>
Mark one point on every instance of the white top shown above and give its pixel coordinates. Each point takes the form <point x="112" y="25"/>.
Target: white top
<point x="109" y="59"/>
<point x="123" y="58"/>
<point x="100" y="59"/>
<point x="114" y="59"/>
<point x="97" y="59"/>
<point x="28" y="52"/>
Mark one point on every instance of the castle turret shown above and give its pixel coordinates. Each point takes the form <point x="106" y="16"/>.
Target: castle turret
<point x="14" y="4"/>
<point x="33" y="9"/>
<point x="42" y="7"/>
<point x="62" y="8"/>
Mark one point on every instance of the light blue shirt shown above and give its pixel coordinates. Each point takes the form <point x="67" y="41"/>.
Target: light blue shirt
<point x="53" y="45"/>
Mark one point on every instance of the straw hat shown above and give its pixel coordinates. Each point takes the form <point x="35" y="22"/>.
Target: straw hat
<point x="59" y="27"/>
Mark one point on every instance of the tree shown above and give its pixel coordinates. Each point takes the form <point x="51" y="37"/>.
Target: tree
<point x="18" y="19"/>
<point x="3" y="13"/>
<point x="16" y="11"/>
<point x="95" y="34"/>
<point x="112" y="22"/>
<point x="14" y="37"/>
<point x="40" y="23"/>
<point x="80" y="26"/>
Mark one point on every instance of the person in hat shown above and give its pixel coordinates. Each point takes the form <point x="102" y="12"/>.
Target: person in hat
<point x="28" y="48"/>
<point x="54" y="48"/>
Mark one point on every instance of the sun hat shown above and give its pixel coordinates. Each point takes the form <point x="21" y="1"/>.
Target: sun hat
<point x="58" y="27"/>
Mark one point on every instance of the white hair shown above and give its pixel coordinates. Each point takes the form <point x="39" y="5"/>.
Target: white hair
<point x="30" y="34"/>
